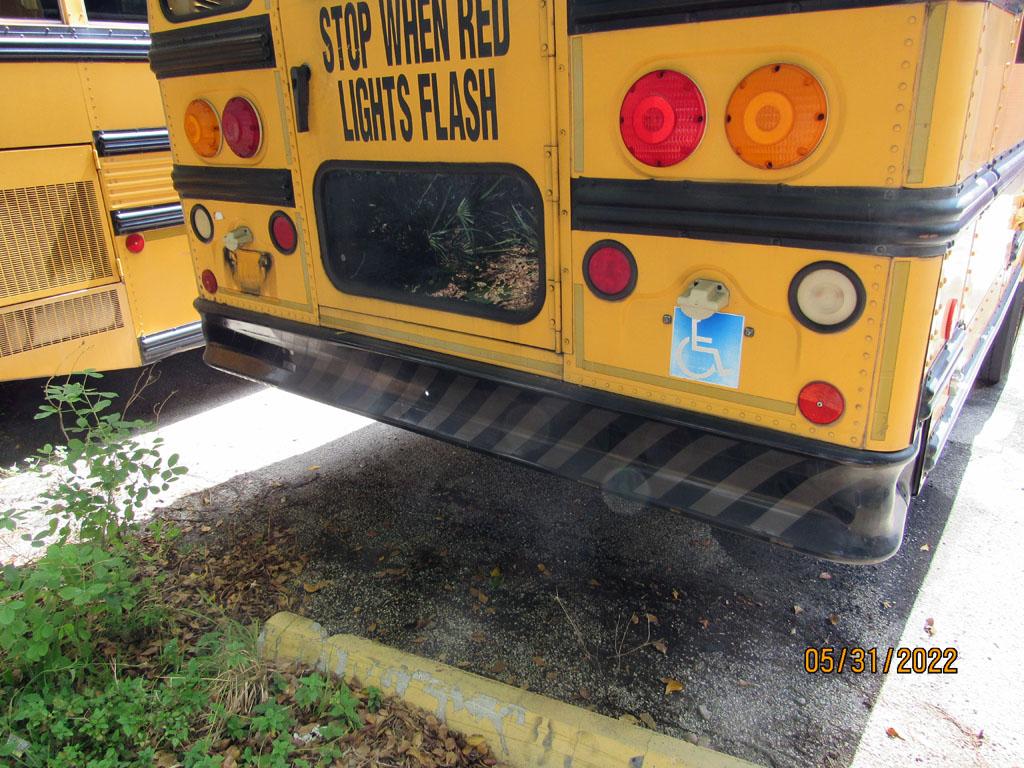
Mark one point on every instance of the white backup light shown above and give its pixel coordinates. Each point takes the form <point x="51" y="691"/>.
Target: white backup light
<point x="827" y="297"/>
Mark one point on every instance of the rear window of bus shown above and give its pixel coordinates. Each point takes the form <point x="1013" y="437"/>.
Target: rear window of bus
<point x="460" y="238"/>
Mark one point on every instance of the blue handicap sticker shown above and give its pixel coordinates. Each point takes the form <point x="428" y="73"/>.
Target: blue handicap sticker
<point x="707" y="350"/>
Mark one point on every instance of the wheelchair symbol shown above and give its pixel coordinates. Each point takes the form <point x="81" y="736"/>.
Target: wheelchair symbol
<point x="696" y="342"/>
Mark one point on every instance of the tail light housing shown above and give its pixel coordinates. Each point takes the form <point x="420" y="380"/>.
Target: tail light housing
<point x="202" y="128"/>
<point x="282" y="232"/>
<point x="776" y="116"/>
<point x="241" y="126"/>
<point x="663" y="118"/>
<point x="821" y="403"/>
<point x="610" y="270"/>
<point x="826" y="297"/>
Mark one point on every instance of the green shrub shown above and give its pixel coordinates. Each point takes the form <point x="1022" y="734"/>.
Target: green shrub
<point x="103" y="474"/>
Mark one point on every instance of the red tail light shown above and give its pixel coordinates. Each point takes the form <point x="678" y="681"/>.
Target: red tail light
<point x="241" y="126"/>
<point x="662" y="118"/>
<point x="209" y="281"/>
<point x="135" y="243"/>
<point x="821" y="403"/>
<point x="610" y="270"/>
<point x="282" y="232"/>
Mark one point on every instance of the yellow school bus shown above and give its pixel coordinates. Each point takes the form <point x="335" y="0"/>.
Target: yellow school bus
<point x="743" y="260"/>
<point x="94" y="264"/>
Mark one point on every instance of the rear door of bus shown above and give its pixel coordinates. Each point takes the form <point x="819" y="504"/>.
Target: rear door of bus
<point x="429" y="160"/>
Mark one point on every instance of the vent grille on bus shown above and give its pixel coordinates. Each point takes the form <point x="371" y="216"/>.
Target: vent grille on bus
<point x="58" y="321"/>
<point x="50" y="237"/>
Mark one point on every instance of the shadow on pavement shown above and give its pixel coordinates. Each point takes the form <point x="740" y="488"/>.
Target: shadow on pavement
<point x="541" y="582"/>
<point x="185" y="386"/>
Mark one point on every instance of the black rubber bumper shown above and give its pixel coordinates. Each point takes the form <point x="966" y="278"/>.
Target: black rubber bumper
<point x="844" y="505"/>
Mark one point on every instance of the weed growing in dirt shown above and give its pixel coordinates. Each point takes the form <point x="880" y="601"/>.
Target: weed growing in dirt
<point x="103" y="473"/>
<point x="102" y="666"/>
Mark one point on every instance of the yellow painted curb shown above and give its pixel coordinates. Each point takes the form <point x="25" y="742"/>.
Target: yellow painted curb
<point x="525" y="729"/>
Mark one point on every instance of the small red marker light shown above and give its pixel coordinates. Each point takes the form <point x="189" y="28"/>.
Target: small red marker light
<point x="209" y="281"/>
<point x="951" y="318"/>
<point x="282" y="232"/>
<point x="610" y="270"/>
<point x="135" y="243"/>
<point x="821" y="403"/>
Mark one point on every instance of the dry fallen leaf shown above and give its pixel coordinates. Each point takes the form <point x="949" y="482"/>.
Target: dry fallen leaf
<point x="704" y="622"/>
<point x="929" y="627"/>
<point x="672" y="685"/>
<point x="538" y="661"/>
<point x="542" y="568"/>
<point x="675" y="594"/>
<point x="628" y="718"/>
<point x="478" y="637"/>
<point x="892" y="733"/>
<point x="661" y="646"/>
<point x="646" y="719"/>
<point x="833" y="619"/>
<point x="743" y="683"/>
<point x="926" y="547"/>
<point x="887" y="603"/>
<point x="595" y="583"/>
<point x="798" y="609"/>
<point x="652" y="619"/>
<point x="634" y="619"/>
<point x="496" y="572"/>
<point x="311" y="588"/>
<point x="498" y="667"/>
<point x="314" y="467"/>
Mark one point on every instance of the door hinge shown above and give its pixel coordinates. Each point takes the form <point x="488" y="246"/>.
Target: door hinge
<point x="551" y="173"/>
<point x="555" y="294"/>
<point x="547" y="28"/>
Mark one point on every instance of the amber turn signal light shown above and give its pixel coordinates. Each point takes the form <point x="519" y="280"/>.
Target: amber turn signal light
<point x="776" y="116"/>
<point x="202" y="127"/>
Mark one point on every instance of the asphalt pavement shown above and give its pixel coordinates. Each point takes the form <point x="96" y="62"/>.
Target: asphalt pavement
<point x="541" y="582"/>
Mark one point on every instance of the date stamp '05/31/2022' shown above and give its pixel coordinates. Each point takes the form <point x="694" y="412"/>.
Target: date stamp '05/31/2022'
<point x="829" y="660"/>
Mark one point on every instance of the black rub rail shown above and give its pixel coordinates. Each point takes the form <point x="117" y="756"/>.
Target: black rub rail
<point x="886" y="222"/>
<point x="109" y="143"/>
<point x="64" y="43"/>
<point x="261" y="186"/>
<point x="223" y="46"/>
<point x="605" y="15"/>
<point x="128" y="220"/>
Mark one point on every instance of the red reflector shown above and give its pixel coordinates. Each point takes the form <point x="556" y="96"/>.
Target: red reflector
<point x="821" y="403"/>
<point x="209" y="281"/>
<point x="135" y="243"/>
<point x="951" y="318"/>
<point x="240" y="125"/>
<point x="662" y="118"/>
<point x="282" y="232"/>
<point x="610" y="270"/>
